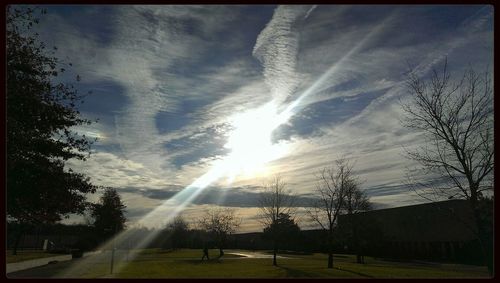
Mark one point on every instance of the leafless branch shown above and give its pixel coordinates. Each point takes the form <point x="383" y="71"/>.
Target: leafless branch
<point x="456" y="119"/>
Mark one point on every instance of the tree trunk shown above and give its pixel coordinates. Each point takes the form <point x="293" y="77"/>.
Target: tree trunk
<point x="482" y="236"/>
<point x="487" y="259"/>
<point x="330" y="260"/>
<point x="357" y="246"/>
<point x="330" y="248"/>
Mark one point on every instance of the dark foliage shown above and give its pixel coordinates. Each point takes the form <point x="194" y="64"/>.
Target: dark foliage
<point x="109" y="213"/>
<point x="177" y="231"/>
<point x="283" y="228"/>
<point x="282" y="231"/>
<point x="40" y="115"/>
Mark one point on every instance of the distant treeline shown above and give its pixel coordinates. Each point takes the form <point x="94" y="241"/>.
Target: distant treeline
<point x="68" y="237"/>
<point x="87" y="238"/>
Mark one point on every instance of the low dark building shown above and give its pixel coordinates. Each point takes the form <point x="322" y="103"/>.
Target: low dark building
<point x="61" y="237"/>
<point x="437" y="231"/>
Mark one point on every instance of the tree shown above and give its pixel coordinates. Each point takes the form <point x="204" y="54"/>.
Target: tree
<point x="178" y="229"/>
<point x="109" y="213"/>
<point x="457" y="122"/>
<point x="285" y="228"/>
<point x="220" y="223"/>
<point x="40" y="115"/>
<point x="356" y="201"/>
<point x="333" y="185"/>
<point x="275" y="202"/>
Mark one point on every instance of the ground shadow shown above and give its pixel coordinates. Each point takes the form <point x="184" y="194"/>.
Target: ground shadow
<point x="292" y="272"/>
<point x="354" y="272"/>
<point x="199" y="261"/>
<point x="340" y="256"/>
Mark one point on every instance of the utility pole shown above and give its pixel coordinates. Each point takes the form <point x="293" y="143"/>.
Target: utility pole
<point x="112" y="249"/>
<point x="113" y="252"/>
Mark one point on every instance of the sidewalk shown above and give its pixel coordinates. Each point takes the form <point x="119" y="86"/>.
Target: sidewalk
<point x="17" y="266"/>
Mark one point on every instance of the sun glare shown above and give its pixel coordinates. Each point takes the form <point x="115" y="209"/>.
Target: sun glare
<point x="250" y="141"/>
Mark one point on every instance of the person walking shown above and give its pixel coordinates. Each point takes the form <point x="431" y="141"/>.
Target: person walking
<point x="205" y="253"/>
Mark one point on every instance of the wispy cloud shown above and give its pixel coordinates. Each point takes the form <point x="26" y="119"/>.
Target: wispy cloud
<point x="277" y="47"/>
<point x="167" y="78"/>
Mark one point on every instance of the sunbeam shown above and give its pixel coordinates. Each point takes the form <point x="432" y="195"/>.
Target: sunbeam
<point x="295" y="106"/>
<point x="251" y="146"/>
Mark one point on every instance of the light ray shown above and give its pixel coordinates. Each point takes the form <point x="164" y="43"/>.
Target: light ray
<point x="266" y="119"/>
<point x="297" y="104"/>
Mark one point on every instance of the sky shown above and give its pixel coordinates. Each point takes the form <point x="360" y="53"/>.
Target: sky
<point x="180" y="89"/>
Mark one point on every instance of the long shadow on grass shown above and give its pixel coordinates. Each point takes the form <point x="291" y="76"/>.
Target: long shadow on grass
<point x="340" y="256"/>
<point x="197" y="261"/>
<point x="354" y="272"/>
<point x="292" y="272"/>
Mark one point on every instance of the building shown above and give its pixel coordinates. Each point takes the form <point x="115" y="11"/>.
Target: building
<point x="438" y="231"/>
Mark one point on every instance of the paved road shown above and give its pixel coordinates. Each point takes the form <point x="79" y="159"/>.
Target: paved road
<point x="246" y="254"/>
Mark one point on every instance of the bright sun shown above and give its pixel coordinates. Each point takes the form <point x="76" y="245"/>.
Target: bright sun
<point x="250" y="141"/>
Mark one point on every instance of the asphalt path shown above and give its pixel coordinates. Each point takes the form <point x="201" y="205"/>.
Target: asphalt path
<point x="246" y="254"/>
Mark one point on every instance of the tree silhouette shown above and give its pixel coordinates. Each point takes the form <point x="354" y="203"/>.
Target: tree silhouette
<point x="275" y="201"/>
<point x="178" y="230"/>
<point x="356" y="201"/>
<point x="109" y="213"/>
<point x="333" y="186"/>
<point x="40" y="116"/>
<point x="284" y="228"/>
<point x="457" y="122"/>
<point x="220" y="223"/>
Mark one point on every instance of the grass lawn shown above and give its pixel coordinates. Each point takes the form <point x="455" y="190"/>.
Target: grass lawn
<point x="186" y="263"/>
<point x="182" y="253"/>
<point x="26" y="255"/>
<point x="346" y="266"/>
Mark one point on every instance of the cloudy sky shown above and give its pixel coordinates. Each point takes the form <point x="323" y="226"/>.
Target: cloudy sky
<point x="229" y="96"/>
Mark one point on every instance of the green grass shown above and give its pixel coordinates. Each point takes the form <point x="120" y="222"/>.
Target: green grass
<point x="185" y="263"/>
<point x="182" y="253"/>
<point x="194" y="268"/>
<point x="178" y="264"/>
<point x="316" y="267"/>
<point x="27" y="255"/>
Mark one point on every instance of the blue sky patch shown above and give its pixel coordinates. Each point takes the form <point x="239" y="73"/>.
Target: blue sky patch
<point x="166" y="79"/>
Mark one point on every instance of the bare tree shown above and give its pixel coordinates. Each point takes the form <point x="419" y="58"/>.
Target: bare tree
<point x="457" y="122"/>
<point x="220" y="222"/>
<point x="275" y="201"/>
<point x="356" y="201"/>
<point x="332" y="187"/>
